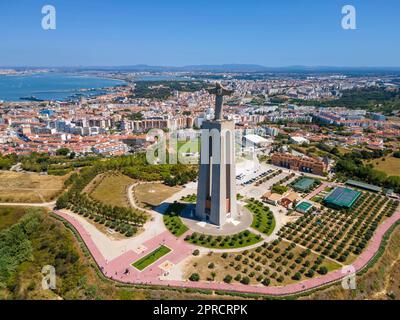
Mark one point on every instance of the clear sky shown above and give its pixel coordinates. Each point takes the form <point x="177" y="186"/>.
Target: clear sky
<point x="184" y="32"/>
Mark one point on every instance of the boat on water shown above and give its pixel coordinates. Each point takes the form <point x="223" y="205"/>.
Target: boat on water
<point x="31" y="98"/>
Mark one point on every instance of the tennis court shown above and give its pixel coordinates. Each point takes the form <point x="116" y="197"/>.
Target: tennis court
<point x="342" y="197"/>
<point x="304" y="207"/>
<point x="303" y="184"/>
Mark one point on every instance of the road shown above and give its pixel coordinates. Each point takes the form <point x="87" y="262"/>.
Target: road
<point x="49" y="205"/>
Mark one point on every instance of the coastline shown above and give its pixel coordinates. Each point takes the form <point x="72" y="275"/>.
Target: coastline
<point x="52" y="89"/>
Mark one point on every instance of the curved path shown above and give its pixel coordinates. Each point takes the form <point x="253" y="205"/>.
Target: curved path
<point x="132" y="201"/>
<point x="20" y="204"/>
<point x="120" y="268"/>
<point x="114" y="258"/>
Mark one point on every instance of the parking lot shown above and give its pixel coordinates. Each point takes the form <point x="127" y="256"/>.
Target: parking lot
<point x="249" y="179"/>
<point x="249" y="189"/>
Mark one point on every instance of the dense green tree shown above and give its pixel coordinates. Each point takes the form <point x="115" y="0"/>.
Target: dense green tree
<point x="63" y="152"/>
<point x="194" y="277"/>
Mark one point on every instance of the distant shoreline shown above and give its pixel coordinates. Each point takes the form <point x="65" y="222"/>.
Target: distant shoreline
<point x="54" y="86"/>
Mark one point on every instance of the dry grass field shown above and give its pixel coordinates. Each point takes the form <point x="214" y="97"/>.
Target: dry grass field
<point x="390" y="165"/>
<point x="29" y="187"/>
<point x="112" y="189"/>
<point x="153" y="194"/>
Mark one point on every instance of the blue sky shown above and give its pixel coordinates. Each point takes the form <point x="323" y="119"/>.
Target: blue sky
<point x="183" y="32"/>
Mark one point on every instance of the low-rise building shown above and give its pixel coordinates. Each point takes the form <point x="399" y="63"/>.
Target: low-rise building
<point x="303" y="164"/>
<point x="299" y="140"/>
<point x="272" y="198"/>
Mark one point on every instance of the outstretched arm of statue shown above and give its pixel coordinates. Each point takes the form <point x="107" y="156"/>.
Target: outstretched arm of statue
<point x="220" y="91"/>
<point x="227" y="92"/>
<point x="212" y="91"/>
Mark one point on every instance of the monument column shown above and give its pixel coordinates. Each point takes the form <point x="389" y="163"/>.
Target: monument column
<point x="216" y="192"/>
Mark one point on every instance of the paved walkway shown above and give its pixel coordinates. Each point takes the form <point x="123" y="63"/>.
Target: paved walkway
<point x="114" y="257"/>
<point x="242" y="222"/>
<point x="120" y="268"/>
<point x="18" y="204"/>
<point x="317" y="191"/>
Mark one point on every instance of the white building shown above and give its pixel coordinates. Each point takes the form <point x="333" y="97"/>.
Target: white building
<point x="299" y="140"/>
<point x="256" y="140"/>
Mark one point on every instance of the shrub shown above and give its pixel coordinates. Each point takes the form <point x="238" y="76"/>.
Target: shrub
<point x="129" y="233"/>
<point x="323" y="270"/>
<point x="297" y="276"/>
<point x="266" y="282"/>
<point x="310" y="273"/>
<point x="245" y="280"/>
<point x="194" y="277"/>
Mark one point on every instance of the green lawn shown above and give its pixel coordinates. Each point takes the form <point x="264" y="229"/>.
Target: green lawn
<point x="172" y="220"/>
<point x="331" y="265"/>
<point x="240" y="240"/>
<point x="280" y="189"/>
<point x="189" y="146"/>
<point x="317" y="199"/>
<point x="152" y="257"/>
<point x="263" y="219"/>
<point x="190" y="198"/>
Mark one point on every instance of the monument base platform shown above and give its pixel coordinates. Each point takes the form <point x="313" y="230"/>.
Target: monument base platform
<point x="239" y="223"/>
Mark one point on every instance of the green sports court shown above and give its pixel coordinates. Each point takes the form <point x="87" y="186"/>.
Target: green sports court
<point x="304" y="207"/>
<point x="303" y="184"/>
<point x="342" y="198"/>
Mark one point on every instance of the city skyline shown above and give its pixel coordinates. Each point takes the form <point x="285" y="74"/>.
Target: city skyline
<point x="177" y="33"/>
<point x="196" y="150"/>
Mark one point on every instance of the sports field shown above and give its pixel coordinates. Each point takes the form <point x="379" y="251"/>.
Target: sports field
<point x="304" y="184"/>
<point x="342" y="197"/>
<point x="303" y="206"/>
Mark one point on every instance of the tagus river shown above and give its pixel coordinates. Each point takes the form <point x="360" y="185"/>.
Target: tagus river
<point x="51" y="86"/>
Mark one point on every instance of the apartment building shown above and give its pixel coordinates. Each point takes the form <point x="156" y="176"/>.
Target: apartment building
<point x="303" y="164"/>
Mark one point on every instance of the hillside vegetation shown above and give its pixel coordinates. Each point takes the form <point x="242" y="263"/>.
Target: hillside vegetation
<point x="371" y="99"/>
<point x="37" y="239"/>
